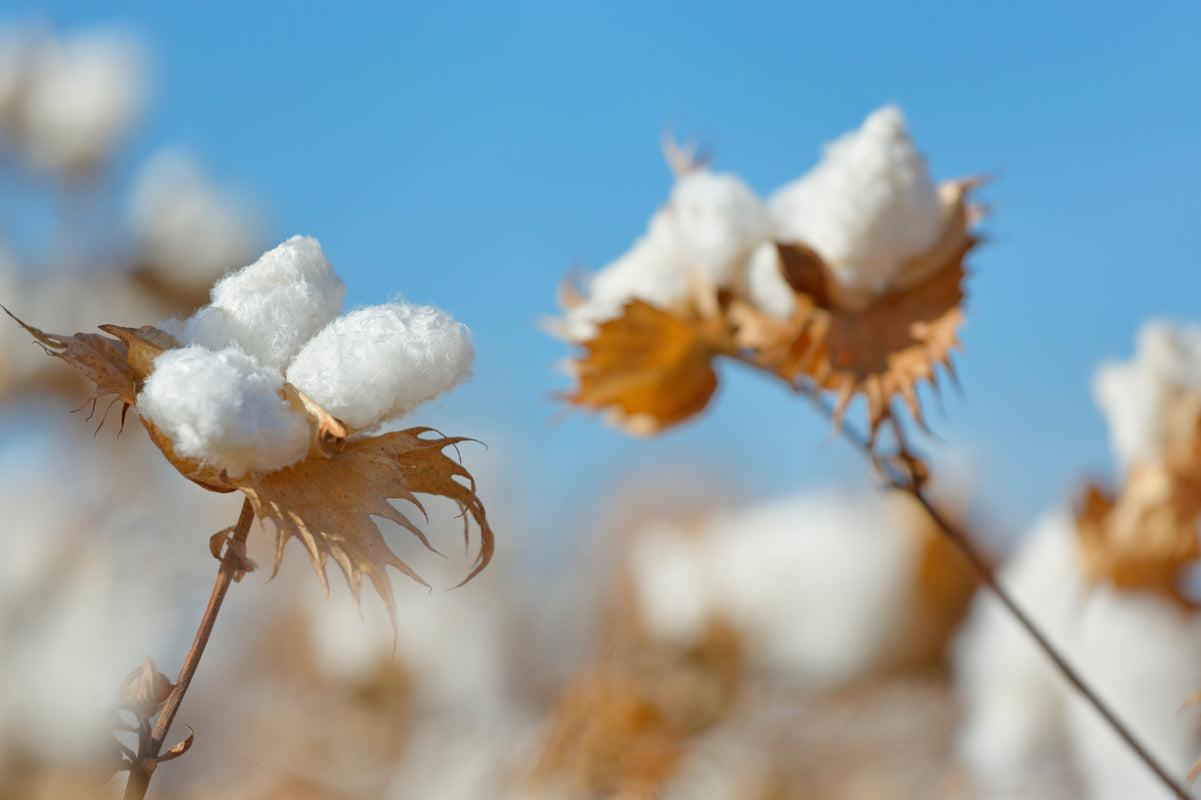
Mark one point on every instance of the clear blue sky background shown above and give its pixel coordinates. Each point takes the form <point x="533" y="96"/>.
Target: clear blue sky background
<point x="468" y="155"/>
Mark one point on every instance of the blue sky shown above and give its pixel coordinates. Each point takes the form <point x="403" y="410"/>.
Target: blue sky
<point x="469" y="155"/>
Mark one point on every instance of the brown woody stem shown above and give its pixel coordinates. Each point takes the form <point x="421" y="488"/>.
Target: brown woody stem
<point x="148" y="756"/>
<point x="984" y="572"/>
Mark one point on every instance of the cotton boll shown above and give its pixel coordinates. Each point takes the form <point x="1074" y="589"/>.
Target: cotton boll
<point x="1013" y="732"/>
<point x="272" y="307"/>
<point x="655" y="270"/>
<point x="719" y="221"/>
<point x="867" y="207"/>
<point x="82" y="95"/>
<point x="1139" y="397"/>
<point x="1142" y="653"/>
<point x="672" y="584"/>
<point x="381" y="362"/>
<point x="222" y="408"/>
<point x="820" y="586"/>
<point x="191" y="230"/>
<point x="768" y="290"/>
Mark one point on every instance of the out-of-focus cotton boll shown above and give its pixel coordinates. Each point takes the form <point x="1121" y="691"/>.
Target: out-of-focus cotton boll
<point x="222" y="408"/>
<point x="272" y="307"/>
<point x="18" y="45"/>
<point x="671" y="580"/>
<point x="381" y="362"/>
<point x="768" y="290"/>
<point x="1013" y="732"/>
<point x="190" y="229"/>
<point x="1137" y="397"/>
<point x="868" y="205"/>
<point x="1142" y="652"/>
<point x="82" y="95"/>
<point x="654" y="270"/>
<point x="820" y="585"/>
<point x="719" y="221"/>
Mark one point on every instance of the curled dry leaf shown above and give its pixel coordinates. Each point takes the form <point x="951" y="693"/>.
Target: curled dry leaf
<point x="327" y="499"/>
<point x="145" y="689"/>
<point x="648" y="369"/>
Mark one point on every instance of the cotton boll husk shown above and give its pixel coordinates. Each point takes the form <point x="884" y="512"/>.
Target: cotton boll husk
<point x="380" y="362"/>
<point x="190" y="229"/>
<point x="719" y="221"/>
<point x="82" y="96"/>
<point x="654" y="269"/>
<point x="1013" y="731"/>
<point x="222" y="408"/>
<point x="867" y="207"/>
<point x="1137" y="396"/>
<point x="1142" y="653"/>
<point x="272" y="307"/>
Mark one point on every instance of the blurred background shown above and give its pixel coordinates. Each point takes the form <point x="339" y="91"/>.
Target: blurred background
<point x="651" y="626"/>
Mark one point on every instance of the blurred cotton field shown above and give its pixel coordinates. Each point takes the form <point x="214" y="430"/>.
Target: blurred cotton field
<point x="692" y="645"/>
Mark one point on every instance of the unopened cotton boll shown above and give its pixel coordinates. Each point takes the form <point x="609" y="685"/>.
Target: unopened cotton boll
<point x="223" y="408"/>
<point x="867" y="207"/>
<point x="272" y="307"/>
<point x="719" y="221"/>
<point x="380" y="362"/>
<point x="82" y="95"/>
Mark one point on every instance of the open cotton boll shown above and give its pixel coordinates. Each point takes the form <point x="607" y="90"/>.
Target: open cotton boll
<point x="1138" y="397"/>
<point x="819" y="585"/>
<point x="654" y="270"/>
<point x="191" y="230"/>
<point x="222" y="408"/>
<point x="1013" y="735"/>
<point x="272" y="307"/>
<point x="1142" y="653"/>
<point x="381" y="362"/>
<point x="768" y="290"/>
<point x="719" y="221"/>
<point x="867" y="207"/>
<point x="672" y="584"/>
<point x="82" y="96"/>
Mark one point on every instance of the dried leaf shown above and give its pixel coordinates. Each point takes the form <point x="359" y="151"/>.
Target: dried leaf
<point x="648" y="369"/>
<point x="178" y="749"/>
<point x="327" y="501"/>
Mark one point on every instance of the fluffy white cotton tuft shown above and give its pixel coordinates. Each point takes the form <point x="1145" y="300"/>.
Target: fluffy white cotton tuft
<point x="672" y="583"/>
<point x="1137" y="397"/>
<point x="223" y="408"/>
<point x="381" y="362"/>
<point x="768" y="290"/>
<point x="719" y="221"/>
<point x="191" y="230"/>
<point x="272" y="307"/>
<point x="1013" y="731"/>
<point x="867" y="207"/>
<point x="1143" y="654"/>
<point x="80" y="97"/>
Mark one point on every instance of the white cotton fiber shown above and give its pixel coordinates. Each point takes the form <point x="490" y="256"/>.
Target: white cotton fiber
<point x="82" y="95"/>
<point x="1142" y="653"/>
<point x="191" y="230"/>
<point x="867" y="207"/>
<point x="1013" y="732"/>
<point x="719" y="221"/>
<point x="654" y="270"/>
<point x="380" y="362"/>
<point x="768" y="290"/>
<point x="670" y="569"/>
<point x="272" y="307"/>
<point x="1138" y="397"/>
<point x="222" y="408"/>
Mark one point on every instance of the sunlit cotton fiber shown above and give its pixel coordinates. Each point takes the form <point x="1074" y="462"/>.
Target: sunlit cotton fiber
<point x="719" y="221"/>
<point x="222" y="408"/>
<point x="1140" y="397"/>
<point x="272" y="307"/>
<point x="381" y="362"/>
<point x="867" y="207"/>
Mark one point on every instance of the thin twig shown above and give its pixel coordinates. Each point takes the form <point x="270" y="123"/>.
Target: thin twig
<point x="231" y="567"/>
<point x="984" y="571"/>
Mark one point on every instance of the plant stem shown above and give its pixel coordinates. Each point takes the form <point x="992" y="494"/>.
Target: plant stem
<point x="984" y="571"/>
<point x="143" y="768"/>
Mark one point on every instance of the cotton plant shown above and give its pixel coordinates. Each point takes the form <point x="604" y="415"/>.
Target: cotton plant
<point x="67" y="102"/>
<point x="848" y="281"/>
<point x="272" y="391"/>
